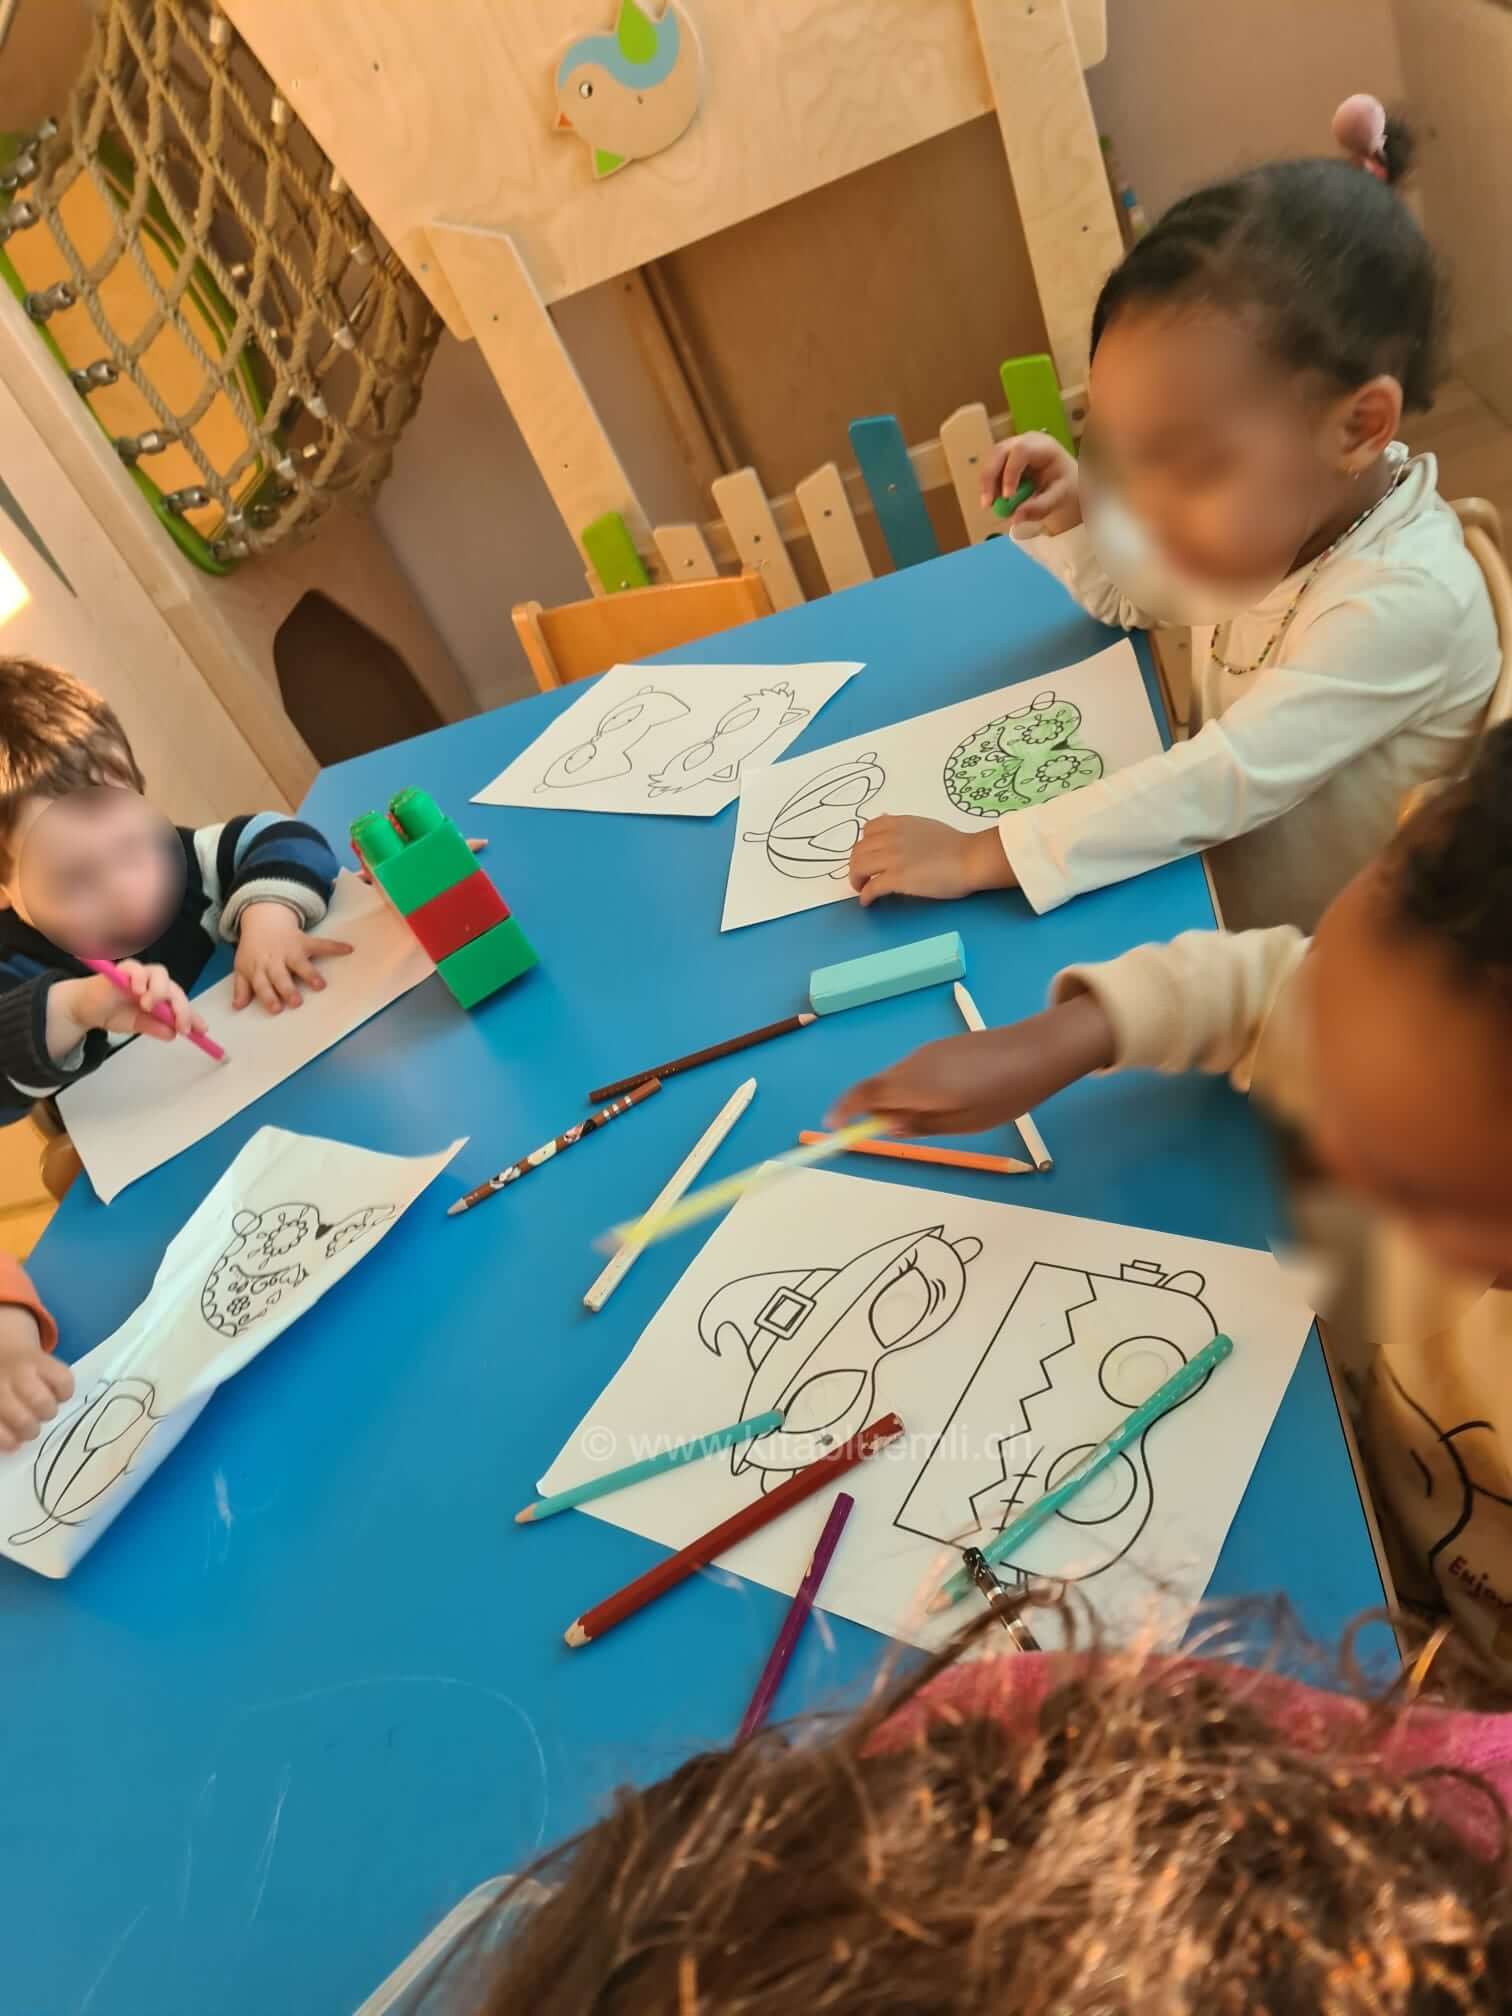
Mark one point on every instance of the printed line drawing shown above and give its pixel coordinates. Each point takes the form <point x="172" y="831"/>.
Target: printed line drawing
<point x="1029" y="1408"/>
<point x="87" y="1452"/>
<point x="818" y="826"/>
<point x="271" y="1252"/>
<point x="1020" y="759"/>
<point x="738" y="733"/>
<point x="606" y="753"/>
<point x="815" y="1339"/>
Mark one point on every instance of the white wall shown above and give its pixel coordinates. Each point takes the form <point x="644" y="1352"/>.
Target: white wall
<point x="1194" y="89"/>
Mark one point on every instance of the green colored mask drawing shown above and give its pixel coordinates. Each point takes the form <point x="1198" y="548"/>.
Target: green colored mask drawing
<point x="1021" y="759"/>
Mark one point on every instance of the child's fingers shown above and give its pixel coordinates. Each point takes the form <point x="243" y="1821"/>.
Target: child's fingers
<point x="326" y="948"/>
<point x="17" y="1422"/>
<point x="262" y="987"/>
<point x="992" y="473"/>
<point x="857" y="1103"/>
<point x="887" y="883"/>
<point x="57" y="1375"/>
<point x="304" y="969"/>
<point x="36" y="1395"/>
<point x="143" y="1024"/>
<point x="284" y="984"/>
<point x="241" y="991"/>
<point x="477" y="846"/>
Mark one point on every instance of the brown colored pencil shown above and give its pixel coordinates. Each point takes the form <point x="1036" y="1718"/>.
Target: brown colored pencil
<point x="749" y="1519"/>
<point x="715" y="1050"/>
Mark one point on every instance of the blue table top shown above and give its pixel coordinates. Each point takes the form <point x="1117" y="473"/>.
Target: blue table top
<point x="311" y="1687"/>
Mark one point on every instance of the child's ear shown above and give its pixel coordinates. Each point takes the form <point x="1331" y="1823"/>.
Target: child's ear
<point x="1368" y="421"/>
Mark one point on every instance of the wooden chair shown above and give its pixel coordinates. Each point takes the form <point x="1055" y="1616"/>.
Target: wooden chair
<point x="1482" y="526"/>
<point x="581" y="638"/>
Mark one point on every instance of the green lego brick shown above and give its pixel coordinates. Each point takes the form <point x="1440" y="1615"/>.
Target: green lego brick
<point x="416" y="813"/>
<point x="375" y="839"/>
<point x="1034" y="400"/>
<point x="611" y="549"/>
<point x="425" y="868"/>
<point x="489" y="963"/>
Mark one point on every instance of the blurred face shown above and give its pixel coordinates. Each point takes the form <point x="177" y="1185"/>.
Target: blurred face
<point x="1413" y="1086"/>
<point x="1232" y="464"/>
<point x="99" y="872"/>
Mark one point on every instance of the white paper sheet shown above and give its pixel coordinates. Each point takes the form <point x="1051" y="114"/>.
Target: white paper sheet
<point x="290" y="1216"/>
<point x="1010" y="1342"/>
<point x="967" y="764"/>
<point x="153" y="1100"/>
<point x="666" y="738"/>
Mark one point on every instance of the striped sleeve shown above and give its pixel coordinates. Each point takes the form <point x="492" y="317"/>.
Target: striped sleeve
<point x="263" y="857"/>
<point x="27" y="1071"/>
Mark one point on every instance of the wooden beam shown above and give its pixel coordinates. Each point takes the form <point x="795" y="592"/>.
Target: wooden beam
<point x="539" y="381"/>
<point x="663" y="359"/>
<point x="1061" y="186"/>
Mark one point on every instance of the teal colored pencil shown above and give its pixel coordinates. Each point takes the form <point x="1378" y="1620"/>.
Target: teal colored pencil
<point x="1028" y="1523"/>
<point x="653" y="1466"/>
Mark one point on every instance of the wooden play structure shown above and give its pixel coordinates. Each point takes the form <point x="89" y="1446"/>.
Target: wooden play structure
<point x="484" y="156"/>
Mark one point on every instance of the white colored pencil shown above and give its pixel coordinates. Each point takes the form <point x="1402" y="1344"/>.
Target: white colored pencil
<point x="674" y="1188"/>
<point x="1032" y="1138"/>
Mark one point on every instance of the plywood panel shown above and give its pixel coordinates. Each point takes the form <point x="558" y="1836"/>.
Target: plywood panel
<point x="459" y="124"/>
<point x="899" y="291"/>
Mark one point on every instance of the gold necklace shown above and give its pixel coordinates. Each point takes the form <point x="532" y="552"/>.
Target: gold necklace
<point x="1243" y="671"/>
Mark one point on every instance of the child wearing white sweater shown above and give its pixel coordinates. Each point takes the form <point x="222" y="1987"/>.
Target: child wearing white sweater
<point x="1252" y="359"/>
<point x="1388" y="1038"/>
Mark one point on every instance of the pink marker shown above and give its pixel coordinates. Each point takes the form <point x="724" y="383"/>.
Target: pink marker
<point x="161" y="1010"/>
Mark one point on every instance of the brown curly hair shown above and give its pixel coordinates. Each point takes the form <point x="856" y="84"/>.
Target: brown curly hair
<point x="1149" y="1844"/>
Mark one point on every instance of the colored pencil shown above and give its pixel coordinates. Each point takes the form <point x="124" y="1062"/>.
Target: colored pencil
<point x="1032" y="1138"/>
<point x="160" y="1011"/>
<point x="652" y="1466"/>
<point x="674" y="1188"/>
<point x="760" y="1704"/>
<point x="694" y="1057"/>
<point x="749" y="1519"/>
<point x="1004" y="507"/>
<point x="569" y="1139"/>
<point x="1018" y="1531"/>
<point x="944" y="1158"/>
<point x="704" y="1203"/>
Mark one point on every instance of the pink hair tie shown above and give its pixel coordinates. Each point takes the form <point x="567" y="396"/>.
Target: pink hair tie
<point x="1359" y="126"/>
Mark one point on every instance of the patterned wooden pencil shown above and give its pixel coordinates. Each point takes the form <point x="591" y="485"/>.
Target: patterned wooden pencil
<point x="569" y="1139"/>
<point x="760" y="1704"/>
<point x="749" y="1519"/>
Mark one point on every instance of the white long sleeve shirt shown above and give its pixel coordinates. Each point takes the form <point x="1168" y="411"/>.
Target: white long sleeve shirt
<point x="1438" y="1416"/>
<point x="1294" y="774"/>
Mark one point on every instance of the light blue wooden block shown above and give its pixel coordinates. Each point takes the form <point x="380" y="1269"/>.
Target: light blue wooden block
<point x="880" y="975"/>
<point x="882" y="457"/>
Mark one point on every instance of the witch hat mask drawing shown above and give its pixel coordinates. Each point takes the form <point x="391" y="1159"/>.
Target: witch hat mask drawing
<point x="815" y="1339"/>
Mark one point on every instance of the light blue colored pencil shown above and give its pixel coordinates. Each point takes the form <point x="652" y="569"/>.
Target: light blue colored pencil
<point x="1029" y="1522"/>
<point x="652" y="1466"/>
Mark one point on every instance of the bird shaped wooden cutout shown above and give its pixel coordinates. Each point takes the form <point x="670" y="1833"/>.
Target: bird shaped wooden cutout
<point x="634" y="91"/>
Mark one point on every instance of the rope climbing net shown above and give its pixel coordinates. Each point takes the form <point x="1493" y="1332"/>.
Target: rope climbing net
<point x="198" y="266"/>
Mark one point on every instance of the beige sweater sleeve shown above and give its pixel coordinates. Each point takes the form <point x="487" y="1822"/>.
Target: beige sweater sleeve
<point x="1199" y="1003"/>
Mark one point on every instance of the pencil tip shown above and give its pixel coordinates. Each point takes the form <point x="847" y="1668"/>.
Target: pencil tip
<point x="455" y="1210"/>
<point x="941" y="1600"/>
<point x="524" y="1518"/>
<point x="575" y="1635"/>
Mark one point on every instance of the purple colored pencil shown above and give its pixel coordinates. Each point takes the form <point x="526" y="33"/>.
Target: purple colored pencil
<point x="760" y="1704"/>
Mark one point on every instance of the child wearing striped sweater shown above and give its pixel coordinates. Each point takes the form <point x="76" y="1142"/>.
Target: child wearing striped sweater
<point x="88" y="869"/>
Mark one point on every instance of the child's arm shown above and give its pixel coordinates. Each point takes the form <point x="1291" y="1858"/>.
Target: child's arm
<point x="53" y="1028"/>
<point x="32" y="1383"/>
<point x="1355" y="677"/>
<point x="269" y="880"/>
<point x="1198" y="1003"/>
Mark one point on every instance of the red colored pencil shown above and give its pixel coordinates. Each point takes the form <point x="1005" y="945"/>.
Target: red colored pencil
<point x="749" y="1519"/>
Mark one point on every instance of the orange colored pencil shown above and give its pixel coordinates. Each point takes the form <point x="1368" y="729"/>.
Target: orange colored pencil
<point x="945" y="1158"/>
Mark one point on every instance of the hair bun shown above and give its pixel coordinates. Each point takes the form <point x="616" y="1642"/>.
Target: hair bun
<point x="1398" y="149"/>
<point x="1374" y="139"/>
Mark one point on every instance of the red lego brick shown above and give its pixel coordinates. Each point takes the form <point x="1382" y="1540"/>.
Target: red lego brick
<point x="458" y="915"/>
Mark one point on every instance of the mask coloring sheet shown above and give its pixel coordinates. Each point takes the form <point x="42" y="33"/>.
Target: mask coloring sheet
<point x="1010" y="1342"/>
<point x="666" y="738"/>
<point x="289" y="1217"/>
<point x="968" y="765"/>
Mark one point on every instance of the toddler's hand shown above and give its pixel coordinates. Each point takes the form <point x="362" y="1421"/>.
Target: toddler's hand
<point x="99" y="1004"/>
<point x="901" y="856"/>
<point x="274" y="955"/>
<point x="1056" y="503"/>
<point x="968" y="1083"/>
<point x="32" y="1382"/>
